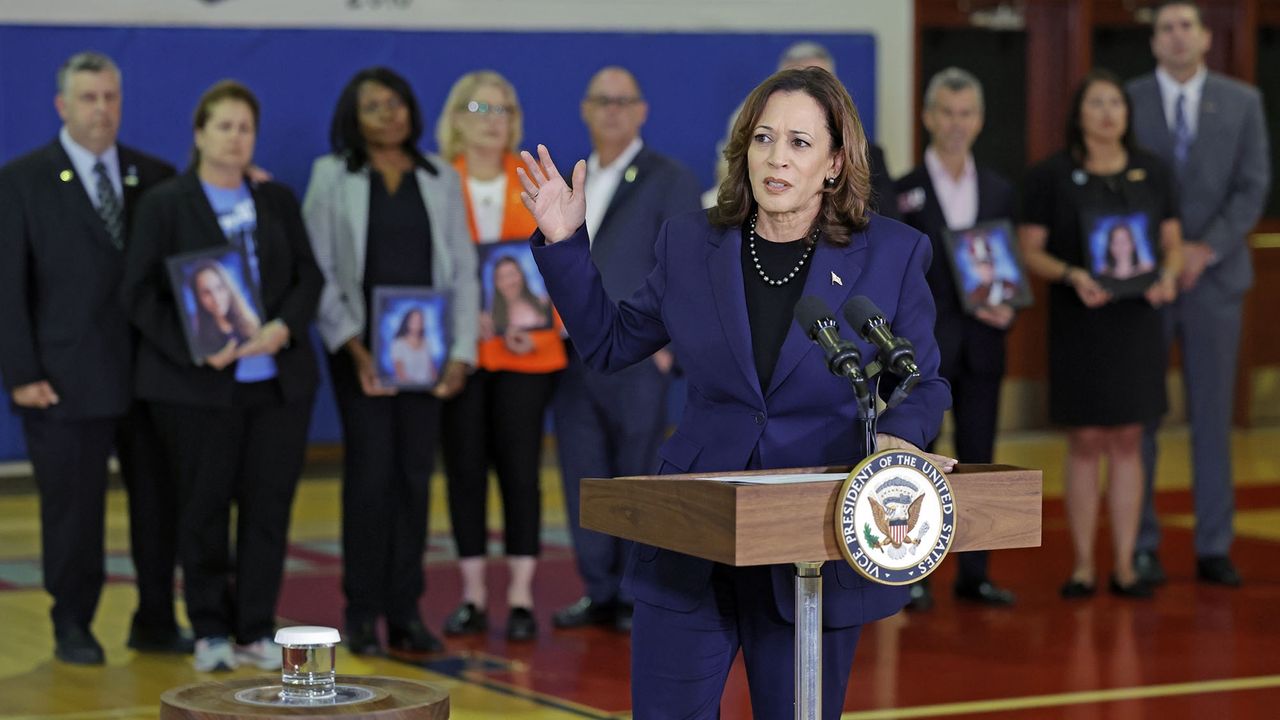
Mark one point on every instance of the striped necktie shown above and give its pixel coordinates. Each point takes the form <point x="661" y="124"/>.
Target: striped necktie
<point x="109" y="206"/>
<point x="1181" y="131"/>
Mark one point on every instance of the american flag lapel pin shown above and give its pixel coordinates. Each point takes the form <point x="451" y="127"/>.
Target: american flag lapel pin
<point x="835" y="279"/>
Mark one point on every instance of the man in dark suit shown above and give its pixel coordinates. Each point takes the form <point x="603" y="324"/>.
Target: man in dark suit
<point x="1210" y="129"/>
<point x="611" y="425"/>
<point x="66" y="351"/>
<point x="950" y="192"/>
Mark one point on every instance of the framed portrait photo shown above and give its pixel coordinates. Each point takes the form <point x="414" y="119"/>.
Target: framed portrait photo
<point x="216" y="297"/>
<point x="512" y="293"/>
<point x="986" y="266"/>
<point x="411" y="335"/>
<point x="1122" y="254"/>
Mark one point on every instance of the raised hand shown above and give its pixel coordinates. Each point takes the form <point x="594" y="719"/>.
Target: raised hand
<point x="558" y="209"/>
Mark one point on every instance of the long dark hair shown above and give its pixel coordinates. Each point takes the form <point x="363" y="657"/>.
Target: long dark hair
<point x="500" y="311"/>
<point x="345" y="138"/>
<point x="403" y="330"/>
<point x="845" y="202"/>
<point x="243" y="318"/>
<point x="1075" y="131"/>
<point x="1108" y="257"/>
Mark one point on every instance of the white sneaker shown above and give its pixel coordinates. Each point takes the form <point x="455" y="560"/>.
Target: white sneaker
<point x="261" y="653"/>
<point x="214" y="654"/>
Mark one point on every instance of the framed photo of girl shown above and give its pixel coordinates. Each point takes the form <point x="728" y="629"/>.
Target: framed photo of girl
<point x="986" y="267"/>
<point x="512" y="293"/>
<point x="216" y="297"/>
<point x="411" y="335"/>
<point x="1121" y="253"/>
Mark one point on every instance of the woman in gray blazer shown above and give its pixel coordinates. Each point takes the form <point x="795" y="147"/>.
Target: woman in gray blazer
<point x="380" y="214"/>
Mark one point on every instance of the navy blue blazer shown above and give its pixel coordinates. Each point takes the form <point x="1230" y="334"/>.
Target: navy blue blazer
<point x="984" y="351"/>
<point x="695" y="300"/>
<point x="60" y="319"/>
<point x="653" y="188"/>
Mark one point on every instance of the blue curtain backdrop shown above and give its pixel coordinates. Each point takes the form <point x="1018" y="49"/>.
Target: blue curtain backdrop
<point x="691" y="80"/>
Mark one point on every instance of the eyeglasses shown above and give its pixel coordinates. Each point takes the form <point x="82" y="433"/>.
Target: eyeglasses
<point x="605" y="101"/>
<point x="480" y="108"/>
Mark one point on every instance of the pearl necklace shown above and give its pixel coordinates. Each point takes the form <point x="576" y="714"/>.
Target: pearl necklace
<point x="755" y="260"/>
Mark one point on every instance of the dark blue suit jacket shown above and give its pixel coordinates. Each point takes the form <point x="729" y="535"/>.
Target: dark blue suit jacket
<point x="658" y="188"/>
<point x="60" y="319"/>
<point x="963" y="340"/>
<point x="695" y="299"/>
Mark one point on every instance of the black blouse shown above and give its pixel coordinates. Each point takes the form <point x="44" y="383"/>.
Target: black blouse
<point x="770" y="308"/>
<point x="398" y="248"/>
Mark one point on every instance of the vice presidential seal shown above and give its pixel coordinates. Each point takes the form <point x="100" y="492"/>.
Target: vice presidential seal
<point x="896" y="517"/>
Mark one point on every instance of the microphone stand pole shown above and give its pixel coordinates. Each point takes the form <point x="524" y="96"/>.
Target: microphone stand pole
<point x="808" y="584"/>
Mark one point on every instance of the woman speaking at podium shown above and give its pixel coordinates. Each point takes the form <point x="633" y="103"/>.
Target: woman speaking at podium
<point x="792" y="220"/>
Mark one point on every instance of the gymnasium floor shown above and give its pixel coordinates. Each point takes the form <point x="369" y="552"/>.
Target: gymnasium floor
<point x="1194" y="651"/>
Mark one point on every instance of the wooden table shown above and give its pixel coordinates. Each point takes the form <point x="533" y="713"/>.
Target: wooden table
<point x="394" y="699"/>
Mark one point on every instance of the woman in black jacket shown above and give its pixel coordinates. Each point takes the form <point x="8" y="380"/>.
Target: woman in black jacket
<point x="235" y="421"/>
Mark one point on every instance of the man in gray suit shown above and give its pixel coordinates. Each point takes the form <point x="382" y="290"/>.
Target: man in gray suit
<point x="1211" y="131"/>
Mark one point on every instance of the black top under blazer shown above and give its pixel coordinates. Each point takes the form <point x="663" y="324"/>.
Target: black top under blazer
<point x="175" y="218"/>
<point x="60" y="319"/>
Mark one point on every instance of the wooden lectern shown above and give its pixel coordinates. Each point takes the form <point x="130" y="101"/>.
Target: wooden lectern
<point x="997" y="507"/>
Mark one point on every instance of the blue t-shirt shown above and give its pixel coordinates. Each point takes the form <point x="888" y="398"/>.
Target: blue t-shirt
<point x="238" y="218"/>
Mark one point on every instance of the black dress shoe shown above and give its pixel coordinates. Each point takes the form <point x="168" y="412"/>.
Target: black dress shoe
<point x="1137" y="589"/>
<point x="168" y="639"/>
<point x="921" y="597"/>
<point x="362" y="638"/>
<point x="521" y="626"/>
<point x="1217" y="570"/>
<point x="585" y="612"/>
<point x="1146" y="564"/>
<point x="411" y="639"/>
<point x="1074" y="589"/>
<point x="76" y="645"/>
<point x="986" y="593"/>
<point x="622" y="617"/>
<point x="467" y="619"/>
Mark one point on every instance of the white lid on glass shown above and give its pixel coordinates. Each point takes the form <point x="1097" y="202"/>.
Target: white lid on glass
<point x="307" y="635"/>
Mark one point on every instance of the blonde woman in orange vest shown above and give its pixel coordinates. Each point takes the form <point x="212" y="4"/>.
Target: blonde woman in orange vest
<point x="498" y="419"/>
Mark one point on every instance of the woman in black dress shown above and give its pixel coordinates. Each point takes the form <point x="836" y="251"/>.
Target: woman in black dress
<point x="1107" y="354"/>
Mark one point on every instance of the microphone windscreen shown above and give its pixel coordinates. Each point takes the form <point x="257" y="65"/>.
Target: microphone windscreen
<point x="859" y="310"/>
<point x="809" y="310"/>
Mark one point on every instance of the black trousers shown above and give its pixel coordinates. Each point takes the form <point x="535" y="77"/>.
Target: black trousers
<point x="496" y="421"/>
<point x="153" y="516"/>
<point x="69" y="458"/>
<point x="249" y="455"/>
<point x="975" y="402"/>
<point x="389" y="454"/>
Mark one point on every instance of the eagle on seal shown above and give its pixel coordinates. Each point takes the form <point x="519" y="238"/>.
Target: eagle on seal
<point x="896" y="524"/>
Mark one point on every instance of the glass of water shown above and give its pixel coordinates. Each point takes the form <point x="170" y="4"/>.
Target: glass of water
<point x="307" y="654"/>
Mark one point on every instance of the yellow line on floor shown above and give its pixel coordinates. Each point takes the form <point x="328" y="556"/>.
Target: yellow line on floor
<point x="1074" y="698"/>
<point x="144" y="711"/>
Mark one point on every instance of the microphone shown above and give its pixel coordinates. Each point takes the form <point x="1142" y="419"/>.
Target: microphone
<point x="897" y="354"/>
<point x="843" y="358"/>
